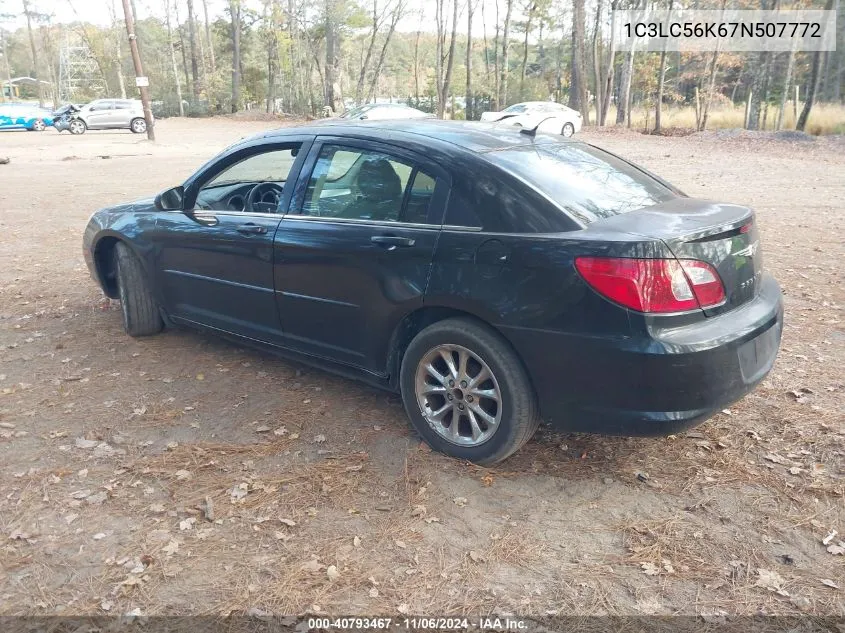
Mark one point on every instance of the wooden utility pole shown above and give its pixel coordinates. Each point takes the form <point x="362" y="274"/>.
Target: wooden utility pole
<point x="143" y="84"/>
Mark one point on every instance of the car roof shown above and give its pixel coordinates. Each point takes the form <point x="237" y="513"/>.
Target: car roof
<point x="468" y="135"/>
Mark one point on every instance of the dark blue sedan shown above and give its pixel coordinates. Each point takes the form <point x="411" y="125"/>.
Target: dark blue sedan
<point x="491" y="276"/>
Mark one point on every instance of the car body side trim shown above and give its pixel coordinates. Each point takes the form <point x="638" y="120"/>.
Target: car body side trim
<point x="321" y="299"/>
<point x="321" y="362"/>
<point x="226" y="282"/>
<point x="381" y="223"/>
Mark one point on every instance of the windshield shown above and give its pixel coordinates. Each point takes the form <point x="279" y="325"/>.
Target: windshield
<point x="515" y="108"/>
<point x="587" y="182"/>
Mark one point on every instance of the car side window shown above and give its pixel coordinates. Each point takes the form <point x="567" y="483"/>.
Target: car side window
<point x="362" y="184"/>
<point x="234" y="188"/>
<point x="122" y="105"/>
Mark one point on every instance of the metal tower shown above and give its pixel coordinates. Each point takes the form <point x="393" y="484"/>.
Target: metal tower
<point x="78" y="74"/>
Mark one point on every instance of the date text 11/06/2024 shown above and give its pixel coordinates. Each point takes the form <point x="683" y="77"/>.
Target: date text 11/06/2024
<point x="416" y="623"/>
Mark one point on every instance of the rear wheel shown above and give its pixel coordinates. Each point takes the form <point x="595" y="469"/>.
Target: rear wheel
<point x="140" y="310"/>
<point x="38" y="125"/>
<point x="138" y="126"/>
<point x="467" y="393"/>
<point x="568" y="130"/>
<point x="77" y="126"/>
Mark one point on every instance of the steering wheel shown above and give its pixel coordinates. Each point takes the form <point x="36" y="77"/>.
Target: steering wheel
<point x="264" y="198"/>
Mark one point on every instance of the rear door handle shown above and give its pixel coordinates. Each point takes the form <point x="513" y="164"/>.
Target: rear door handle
<point x="252" y="229"/>
<point x="392" y="241"/>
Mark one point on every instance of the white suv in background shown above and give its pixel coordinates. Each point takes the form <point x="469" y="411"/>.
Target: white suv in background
<point x="110" y="114"/>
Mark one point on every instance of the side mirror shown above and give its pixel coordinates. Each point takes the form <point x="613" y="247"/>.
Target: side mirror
<point x="171" y="199"/>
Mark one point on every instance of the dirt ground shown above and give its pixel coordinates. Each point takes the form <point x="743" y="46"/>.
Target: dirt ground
<point x="181" y="474"/>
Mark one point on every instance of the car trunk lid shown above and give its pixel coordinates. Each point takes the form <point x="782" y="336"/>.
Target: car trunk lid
<point x="723" y="235"/>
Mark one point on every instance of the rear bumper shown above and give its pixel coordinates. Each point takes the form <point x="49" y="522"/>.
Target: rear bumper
<point x="657" y="384"/>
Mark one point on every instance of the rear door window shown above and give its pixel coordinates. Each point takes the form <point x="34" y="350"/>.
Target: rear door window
<point x="587" y="182"/>
<point x="364" y="184"/>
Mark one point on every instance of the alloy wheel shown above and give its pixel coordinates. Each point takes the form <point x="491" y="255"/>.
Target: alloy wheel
<point x="458" y="395"/>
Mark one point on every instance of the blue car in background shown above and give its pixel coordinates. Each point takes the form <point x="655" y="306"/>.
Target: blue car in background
<point x="23" y="116"/>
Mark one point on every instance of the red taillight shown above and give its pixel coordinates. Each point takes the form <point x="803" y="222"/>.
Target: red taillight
<point x="653" y="285"/>
<point x="745" y="228"/>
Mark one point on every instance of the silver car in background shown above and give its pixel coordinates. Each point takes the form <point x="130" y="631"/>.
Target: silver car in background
<point x="383" y="112"/>
<point x="110" y="114"/>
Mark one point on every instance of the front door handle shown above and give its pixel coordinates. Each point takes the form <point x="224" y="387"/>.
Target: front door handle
<point x="252" y="229"/>
<point x="392" y="241"/>
<point x="206" y="219"/>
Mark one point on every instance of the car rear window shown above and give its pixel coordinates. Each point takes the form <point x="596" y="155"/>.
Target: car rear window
<point x="588" y="183"/>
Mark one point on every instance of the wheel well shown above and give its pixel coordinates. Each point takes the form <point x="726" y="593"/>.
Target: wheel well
<point x="411" y="325"/>
<point x="104" y="260"/>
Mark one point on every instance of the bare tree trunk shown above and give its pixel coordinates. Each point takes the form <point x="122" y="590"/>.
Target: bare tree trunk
<point x="525" y="49"/>
<point x="34" y="50"/>
<point x="272" y="55"/>
<point x="438" y="61"/>
<point x="711" y="84"/>
<point x="192" y="38"/>
<point x="578" y="91"/>
<point x="609" y="71"/>
<point x="182" y="47"/>
<point x="208" y="37"/>
<point x="758" y="90"/>
<point x="597" y="60"/>
<point x="625" y="89"/>
<point x="559" y="69"/>
<point x="365" y="64"/>
<point x="332" y="58"/>
<point x="813" y="88"/>
<point x="661" y="82"/>
<point x="787" y="83"/>
<point x="450" y="62"/>
<point x="496" y="93"/>
<point x="394" y="20"/>
<point x="417" y="69"/>
<point x="486" y="51"/>
<point x="235" y="9"/>
<point x="173" y="57"/>
<point x="468" y="113"/>
<point x="503" y="84"/>
<point x="118" y="57"/>
<point x="4" y="44"/>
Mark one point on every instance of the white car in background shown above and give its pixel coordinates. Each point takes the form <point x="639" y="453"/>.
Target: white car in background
<point x="552" y="118"/>
<point x="384" y="111"/>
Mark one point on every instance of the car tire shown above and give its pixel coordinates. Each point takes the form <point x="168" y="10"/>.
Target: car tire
<point x="516" y="411"/>
<point x="77" y="126"/>
<point x="138" y="126"/>
<point x="141" y="316"/>
<point x="38" y="125"/>
<point x="567" y="130"/>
